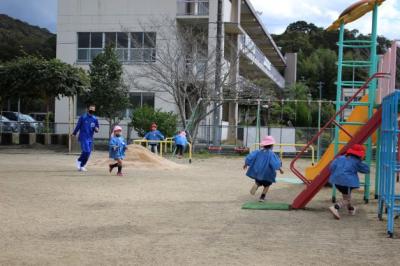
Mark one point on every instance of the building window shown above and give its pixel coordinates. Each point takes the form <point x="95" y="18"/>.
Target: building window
<point x="140" y="99"/>
<point x="111" y="38"/>
<point x="83" y="46"/>
<point x="80" y="106"/>
<point x="143" y="46"/>
<point x="133" y="47"/>
<point x="193" y="7"/>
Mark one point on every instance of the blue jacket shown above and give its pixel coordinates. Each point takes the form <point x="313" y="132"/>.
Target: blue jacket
<point x="180" y="140"/>
<point x="117" y="147"/>
<point x="154" y="135"/>
<point x="86" y="127"/>
<point x="344" y="171"/>
<point x="263" y="165"/>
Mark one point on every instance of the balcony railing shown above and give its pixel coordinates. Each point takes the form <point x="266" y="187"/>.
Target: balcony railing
<point x="249" y="48"/>
<point x="192" y="8"/>
<point x="125" y="55"/>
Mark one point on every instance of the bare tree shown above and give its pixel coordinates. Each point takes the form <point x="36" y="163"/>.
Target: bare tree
<point x="184" y="70"/>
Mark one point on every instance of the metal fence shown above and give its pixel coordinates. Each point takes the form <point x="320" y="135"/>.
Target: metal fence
<point x="231" y="136"/>
<point x="240" y="135"/>
<point x="247" y="136"/>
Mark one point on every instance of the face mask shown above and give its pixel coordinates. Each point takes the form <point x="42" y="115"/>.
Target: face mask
<point x="117" y="134"/>
<point x="91" y="112"/>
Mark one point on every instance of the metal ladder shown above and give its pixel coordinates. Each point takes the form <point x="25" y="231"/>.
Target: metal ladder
<point x="372" y="66"/>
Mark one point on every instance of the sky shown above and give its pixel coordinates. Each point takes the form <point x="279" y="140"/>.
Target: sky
<point x="275" y="14"/>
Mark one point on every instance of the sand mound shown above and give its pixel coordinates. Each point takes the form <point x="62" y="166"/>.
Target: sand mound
<point x="141" y="158"/>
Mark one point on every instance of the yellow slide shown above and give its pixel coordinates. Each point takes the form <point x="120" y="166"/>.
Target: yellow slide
<point x="359" y="114"/>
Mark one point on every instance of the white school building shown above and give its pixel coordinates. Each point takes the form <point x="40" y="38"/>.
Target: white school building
<point x="86" y="27"/>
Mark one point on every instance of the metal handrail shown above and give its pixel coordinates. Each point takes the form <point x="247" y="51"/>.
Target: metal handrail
<point x="330" y="122"/>
<point x="164" y="143"/>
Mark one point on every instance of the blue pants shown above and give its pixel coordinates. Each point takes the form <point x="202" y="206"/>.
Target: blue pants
<point x="86" y="147"/>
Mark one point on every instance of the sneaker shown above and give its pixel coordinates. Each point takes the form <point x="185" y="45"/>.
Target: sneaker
<point x="334" y="212"/>
<point x="120" y="174"/>
<point x="78" y="164"/>
<point x="262" y="198"/>
<point x="82" y="169"/>
<point x="253" y="190"/>
<point x="352" y="210"/>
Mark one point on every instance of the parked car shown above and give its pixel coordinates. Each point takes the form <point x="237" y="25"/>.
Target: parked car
<point x="25" y="122"/>
<point x="42" y="116"/>
<point x="8" y="126"/>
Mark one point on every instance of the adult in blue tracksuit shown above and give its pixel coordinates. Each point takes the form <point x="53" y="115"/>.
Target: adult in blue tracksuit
<point x="87" y="125"/>
<point x="180" y="142"/>
<point x="154" y="135"/>
<point x="344" y="177"/>
<point x="262" y="166"/>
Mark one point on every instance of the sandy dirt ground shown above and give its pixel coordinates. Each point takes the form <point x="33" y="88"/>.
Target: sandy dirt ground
<point x="50" y="214"/>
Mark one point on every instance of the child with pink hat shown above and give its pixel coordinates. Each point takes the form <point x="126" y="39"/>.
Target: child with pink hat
<point x="180" y="143"/>
<point x="262" y="166"/>
<point x="117" y="150"/>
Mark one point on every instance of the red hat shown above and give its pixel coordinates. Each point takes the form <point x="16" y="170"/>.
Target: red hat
<point x="357" y="150"/>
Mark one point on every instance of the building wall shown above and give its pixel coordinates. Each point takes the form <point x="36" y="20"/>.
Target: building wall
<point x="117" y="16"/>
<point x="105" y="16"/>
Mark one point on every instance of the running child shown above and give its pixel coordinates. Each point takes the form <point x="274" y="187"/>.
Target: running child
<point x="154" y="135"/>
<point x="180" y="142"/>
<point x="263" y="165"/>
<point x="117" y="150"/>
<point x="344" y="177"/>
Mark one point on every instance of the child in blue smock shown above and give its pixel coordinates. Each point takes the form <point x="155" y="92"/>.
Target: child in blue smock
<point x="262" y="166"/>
<point x="180" y="142"/>
<point x="117" y="150"/>
<point x="345" y="178"/>
<point x="154" y="135"/>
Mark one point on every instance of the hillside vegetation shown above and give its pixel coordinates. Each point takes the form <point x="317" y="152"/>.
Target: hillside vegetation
<point x="18" y="38"/>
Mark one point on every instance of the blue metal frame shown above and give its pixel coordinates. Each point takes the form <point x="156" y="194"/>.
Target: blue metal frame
<point x="389" y="198"/>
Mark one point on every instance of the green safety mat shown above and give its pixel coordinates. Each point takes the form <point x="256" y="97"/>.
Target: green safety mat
<point x="289" y="180"/>
<point x="266" y="206"/>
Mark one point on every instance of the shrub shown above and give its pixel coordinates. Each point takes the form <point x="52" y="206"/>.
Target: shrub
<point x="142" y="118"/>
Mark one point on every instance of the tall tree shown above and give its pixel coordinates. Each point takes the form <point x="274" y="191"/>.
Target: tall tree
<point x="183" y="71"/>
<point x="108" y="91"/>
<point x="35" y="77"/>
<point x="318" y="54"/>
<point x="320" y="66"/>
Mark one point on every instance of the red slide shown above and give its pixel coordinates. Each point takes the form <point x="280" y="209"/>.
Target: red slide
<point x="316" y="185"/>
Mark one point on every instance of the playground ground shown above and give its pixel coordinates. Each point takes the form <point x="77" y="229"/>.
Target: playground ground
<point x="54" y="215"/>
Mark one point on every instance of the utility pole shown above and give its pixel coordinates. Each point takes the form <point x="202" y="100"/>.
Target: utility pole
<point x="218" y="90"/>
<point x="320" y="84"/>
